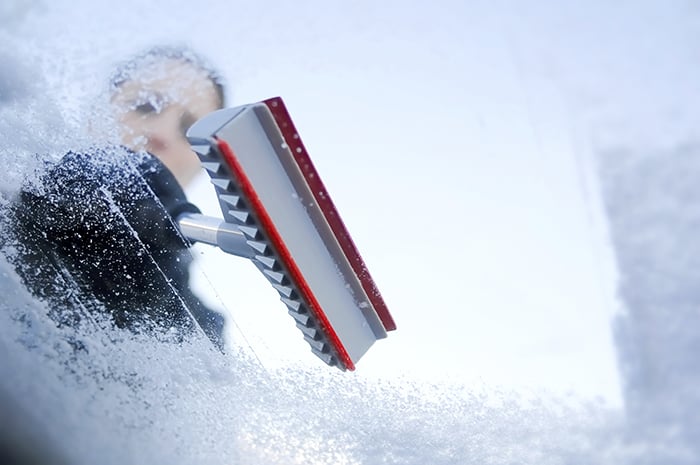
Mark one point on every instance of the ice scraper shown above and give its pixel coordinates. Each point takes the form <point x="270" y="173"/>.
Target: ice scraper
<point x="278" y="213"/>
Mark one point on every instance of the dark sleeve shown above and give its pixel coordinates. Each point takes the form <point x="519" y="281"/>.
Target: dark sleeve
<point x="106" y="216"/>
<point x="164" y="185"/>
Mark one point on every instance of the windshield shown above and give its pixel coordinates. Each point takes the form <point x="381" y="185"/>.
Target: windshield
<point x="517" y="177"/>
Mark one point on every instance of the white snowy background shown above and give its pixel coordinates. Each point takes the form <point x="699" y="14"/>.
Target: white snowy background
<point x="518" y="176"/>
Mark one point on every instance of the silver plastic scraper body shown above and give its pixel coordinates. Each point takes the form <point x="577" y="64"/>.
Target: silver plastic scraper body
<point x="269" y="189"/>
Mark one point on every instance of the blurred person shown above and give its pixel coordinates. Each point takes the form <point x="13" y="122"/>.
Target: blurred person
<point x="95" y="232"/>
<point x="157" y="96"/>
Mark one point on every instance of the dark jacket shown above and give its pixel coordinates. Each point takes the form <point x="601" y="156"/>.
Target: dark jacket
<point x="95" y="233"/>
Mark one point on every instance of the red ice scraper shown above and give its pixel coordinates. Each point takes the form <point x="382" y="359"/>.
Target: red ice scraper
<point x="278" y="213"/>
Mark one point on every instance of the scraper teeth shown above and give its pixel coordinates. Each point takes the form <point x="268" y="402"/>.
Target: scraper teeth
<point x="235" y="205"/>
<point x="240" y="215"/>
<point x="221" y="183"/>
<point x="211" y="166"/>
<point x="310" y="332"/>
<point x="319" y="345"/>
<point x="275" y="276"/>
<point x="269" y="262"/>
<point x="286" y="291"/>
<point x="293" y="305"/>
<point x="301" y="318"/>
<point x="259" y="246"/>
<point x="325" y="356"/>
<point x="234" y="201"/>
<point x="249" y="231"/>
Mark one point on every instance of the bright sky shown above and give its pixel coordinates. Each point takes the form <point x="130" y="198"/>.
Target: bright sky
<point x="455" y="153"/>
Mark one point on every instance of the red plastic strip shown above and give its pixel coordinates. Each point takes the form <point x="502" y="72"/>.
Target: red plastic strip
<point x="323" y="199"/>
<point x="283" y="252"/>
